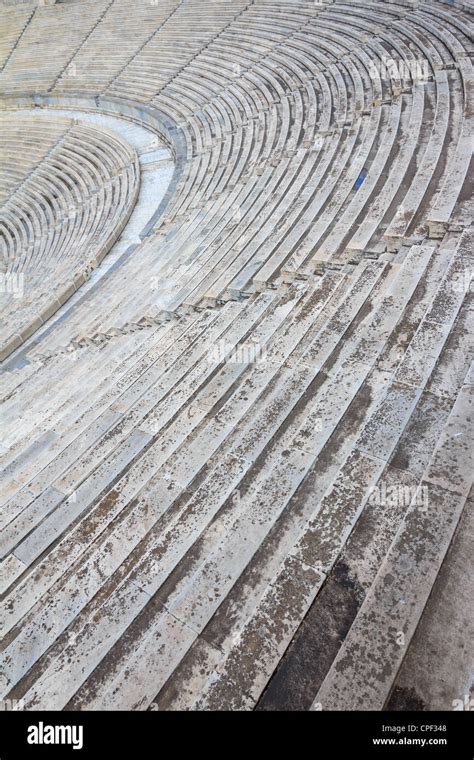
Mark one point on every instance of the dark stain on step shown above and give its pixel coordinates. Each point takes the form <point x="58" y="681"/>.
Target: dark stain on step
<point x="403" y="698"/>
<point x="308" y="658"/>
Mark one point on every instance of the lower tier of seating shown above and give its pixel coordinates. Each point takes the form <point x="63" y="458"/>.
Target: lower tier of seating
<point x="65" y="202"/>
<point x="222" y="476"/>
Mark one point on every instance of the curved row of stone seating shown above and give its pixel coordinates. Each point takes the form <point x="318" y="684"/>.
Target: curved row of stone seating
<point x="244" y="55"/>
<point x="249" y="253"/>
<point x="67" y="202"/>
<point x="190" y="193"/>
<point x="18" y="163"/>
<point x="195" y="463"/>
<point x="201" y="173"/>
<point x="446" y="618"/>
<point x="319" y="197"/>
<point x="226" y="489"/>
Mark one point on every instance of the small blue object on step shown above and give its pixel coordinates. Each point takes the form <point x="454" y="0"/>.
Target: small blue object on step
<point x="361" y="178"/>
